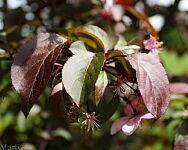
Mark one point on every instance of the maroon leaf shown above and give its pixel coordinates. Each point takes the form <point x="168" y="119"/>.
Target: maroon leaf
<point x="62" y="107"/>
<point x="33" y="65"/>
<point x="56" y="102"/>
<point x="152" y="81"/>
<point x="179" y="88"/>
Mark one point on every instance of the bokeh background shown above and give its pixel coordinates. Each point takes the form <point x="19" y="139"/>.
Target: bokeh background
<point x="20" y="19"/>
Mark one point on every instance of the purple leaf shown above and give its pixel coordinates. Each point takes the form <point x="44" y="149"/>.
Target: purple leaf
<point x="61" y="105"/>
<point x="56" y="101"/>
<point x="33" y="65"/>
<point x="179" y="88"/>
<point x="152" y="81"/>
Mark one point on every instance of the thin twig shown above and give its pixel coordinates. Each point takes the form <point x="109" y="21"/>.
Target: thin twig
<point x="57" y="73"/>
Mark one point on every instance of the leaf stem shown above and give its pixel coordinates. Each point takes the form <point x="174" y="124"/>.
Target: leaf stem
<point x="108" y="71"/>
<point x="114" y="57"/>
<point x="58" y="64"/>
<point x="109" y="62"/>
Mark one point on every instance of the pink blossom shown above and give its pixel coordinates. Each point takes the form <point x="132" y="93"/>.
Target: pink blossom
<point x="135" y="112"/>
<point x="90" y="122"/>
<point x="107" y="12"/>
<point x="112" y="10"/>
<point x="152" y="44"/>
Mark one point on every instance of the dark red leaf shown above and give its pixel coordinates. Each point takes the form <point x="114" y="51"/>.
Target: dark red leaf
<point x="33" y="65"/>
<point x="56" y="102"/>
<point x="61" y="106"/>
<point x="152" y="81"/>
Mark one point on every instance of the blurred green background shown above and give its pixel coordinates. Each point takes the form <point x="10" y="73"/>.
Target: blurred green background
<point x="20" y="19"/>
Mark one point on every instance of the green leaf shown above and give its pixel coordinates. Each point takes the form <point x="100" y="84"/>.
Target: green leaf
<point x="100" y="86"/>
<point x="121" y="42"/>
<point x="174" y="64"/>
<point x="100" y="35"/>
<point x="107" y="105"/>
<point x="122" y="64"/>
<point x="62" y="133"/>
<point x="9" y="30"/>
<point x="80" y="74"/>
<point x="77" y="47"/>
<point x="3" y="53"/>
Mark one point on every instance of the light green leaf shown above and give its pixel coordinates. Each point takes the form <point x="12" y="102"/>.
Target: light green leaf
<point x="80" y="74"/>
<point x="77" y="47"/>
<point x="3" y="53"/>
<point x="100" y="86"/>
<point x="121" y="42"/>
<point x="9" y="30"/>
<point x="108" y="42"/>
<point x="174" y="64"/>
<point x="62" y="133"/>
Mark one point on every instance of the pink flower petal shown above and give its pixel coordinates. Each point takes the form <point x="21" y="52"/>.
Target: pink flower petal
<point x="148" y="116"/>
<point x="131" y="125"/>
<point x="151" y="44"/>
<point x="117" y="125"/>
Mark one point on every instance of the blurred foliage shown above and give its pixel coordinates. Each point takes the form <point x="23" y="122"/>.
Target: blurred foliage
<point x="41" y="131"/>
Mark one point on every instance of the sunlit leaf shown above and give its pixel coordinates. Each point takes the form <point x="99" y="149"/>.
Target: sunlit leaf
<point x="152" y="81"/>
<point x="80" y="73"/>
<point x="100" y="86"/>
<point x="77" y="47"/>
<point x="33" y="65"/>
<point x="3" y="53"/>
<point x="101" y="37"/>
<point x="121" y="42"/>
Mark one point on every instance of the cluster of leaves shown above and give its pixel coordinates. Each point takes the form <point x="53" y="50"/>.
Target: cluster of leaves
<point x="98" y="71"/>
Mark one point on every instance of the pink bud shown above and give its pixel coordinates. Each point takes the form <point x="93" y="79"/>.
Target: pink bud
<point x="152" y="44"/>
